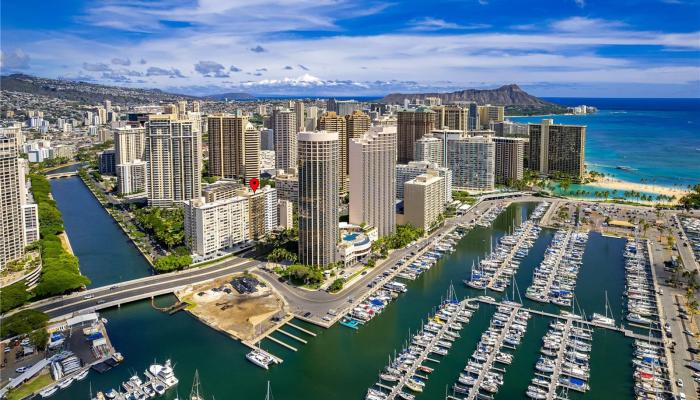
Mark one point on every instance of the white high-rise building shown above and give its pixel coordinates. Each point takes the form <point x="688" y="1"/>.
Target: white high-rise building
<point x="406" y="172"/>
<point x="319" y="190"/>
<point x="12" y="239"/>
<point x="430" y="149"/>
<point x="30" y="210"/>
<point x="129" y="144"/>
<point x="285" y="214"/>
<point x="372" y="160"/>
<point x="132" y="177"/>
<point x="285" y="131"/>
<point x="174" y="157"/>
<point x="211" y="227"/>
<point x="472" y="160"/>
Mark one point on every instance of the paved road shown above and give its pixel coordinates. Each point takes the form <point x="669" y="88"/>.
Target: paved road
<point x="318" y="303"/>
<point x="669" y="302"/>
<point x="103" y="297"/>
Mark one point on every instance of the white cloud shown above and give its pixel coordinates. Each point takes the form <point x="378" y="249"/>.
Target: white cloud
<point x="15" y="59"/>
<point x="434" y="24"/>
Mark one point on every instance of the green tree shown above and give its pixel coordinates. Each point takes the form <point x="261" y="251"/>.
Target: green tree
<point x="23" y="322"/>
<point x="39" y="338"/>
<point x="13" y="296"/>
<point x="337" y="285"/>
<point x="172" y="262"/>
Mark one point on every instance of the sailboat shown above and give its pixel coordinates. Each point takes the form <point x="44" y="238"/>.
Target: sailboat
<point x="606" y="319"/>
<point x="194" y="393"/>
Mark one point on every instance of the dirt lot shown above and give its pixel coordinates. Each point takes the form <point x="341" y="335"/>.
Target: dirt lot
<point x="219" y="305"/>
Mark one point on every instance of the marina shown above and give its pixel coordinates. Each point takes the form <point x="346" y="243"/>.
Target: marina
<point x="181" y="337"/>
<point x="434" y="339"/>
<point x="554" y="280"/>
<point x="483" y="378"/>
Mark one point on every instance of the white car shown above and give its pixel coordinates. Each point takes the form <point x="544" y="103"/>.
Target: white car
<point x="679" y="382"/>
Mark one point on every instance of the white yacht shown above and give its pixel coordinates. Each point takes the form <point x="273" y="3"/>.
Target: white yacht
<point x="259" y="358"/>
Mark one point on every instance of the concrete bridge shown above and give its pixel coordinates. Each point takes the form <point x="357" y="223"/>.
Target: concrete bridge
<point x="59" y="175"/>
<point x="136" y="289"/>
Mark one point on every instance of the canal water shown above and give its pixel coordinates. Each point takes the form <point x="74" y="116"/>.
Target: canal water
<point x="106" y="254"/>
<point x="339" y="363"/>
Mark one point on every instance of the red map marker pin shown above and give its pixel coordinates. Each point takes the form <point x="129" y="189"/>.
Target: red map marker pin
<point x="254" y="184"/>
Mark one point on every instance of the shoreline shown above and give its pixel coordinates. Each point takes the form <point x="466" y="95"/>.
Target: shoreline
<point x="622" y="185"/>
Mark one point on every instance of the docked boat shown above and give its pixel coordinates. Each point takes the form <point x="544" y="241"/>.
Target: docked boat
<point x="82" y="375"/>
<point x="260" y="358"/>
<point x="638" y="319"/>
<point x="48" y="392"/>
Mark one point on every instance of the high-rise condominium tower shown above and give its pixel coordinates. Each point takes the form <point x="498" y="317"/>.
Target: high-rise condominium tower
<point x="285" y="130"/>
<point x="411" y="126"/>
<point x="299" y="115"/>
<point x="11" y="223"/>
<point x="429" y="148"/>
<point x="372" y="179"/>
<point x="557" y="148"/>
<point x="509" y="159"/>
<point x="452" y="116"/>
<point x="318" y="197"/>
<point x="174" y="156"/>
<point x="489" y="113"/>
<point x="234" y="147"/>
<point x="472" y="161"/>
<point x="129" y="144"/>
<point x="332" y="122"/>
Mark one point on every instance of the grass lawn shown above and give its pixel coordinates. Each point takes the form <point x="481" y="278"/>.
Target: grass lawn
<point x="30" y="387"/>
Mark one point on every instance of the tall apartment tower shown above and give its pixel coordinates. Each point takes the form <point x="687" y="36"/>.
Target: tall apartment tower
<point x="284" y="124"/>
<point x="318" y="197"/>
<point x="411" y="126"/>
<point x="473" y="116"/>
<point x="557" y="148"/>
<point x="174" y="156"/>
<point x="129" y="144"/>
<point x="509" y="159"/>
<point x="11" y="222"/>
<point x="299" y="115"/>
<point x="472" y="161"/>
<point x="372" y="179"/>
<point x="234" y="147"/>
<point x="489" y="113"/>
<point x="357" y="123"/>
<point x="429" y="148"/>
<point x="452" y="116"/>
<point x="332" y="122"/>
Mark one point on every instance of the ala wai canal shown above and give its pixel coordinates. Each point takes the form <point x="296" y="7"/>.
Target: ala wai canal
<point x="339" y="363"/>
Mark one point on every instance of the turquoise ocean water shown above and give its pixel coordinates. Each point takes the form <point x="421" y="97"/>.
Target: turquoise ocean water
<point x="657" y="139"/>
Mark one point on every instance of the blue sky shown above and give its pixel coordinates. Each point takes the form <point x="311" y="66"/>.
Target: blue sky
<point x="575" y="48"/>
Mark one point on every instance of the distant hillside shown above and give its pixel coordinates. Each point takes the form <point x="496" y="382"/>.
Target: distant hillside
<point x="229" y="96"/>
<point x="83" y="92"/>
<point x="516" y="100"/>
